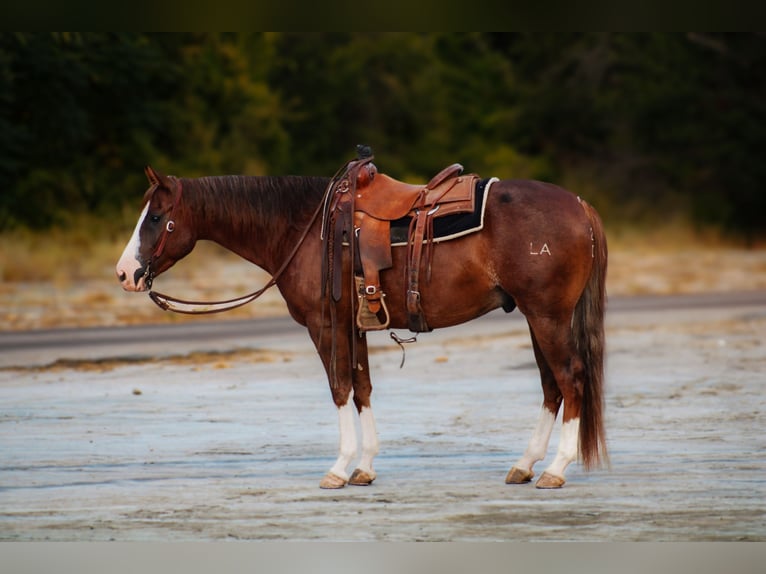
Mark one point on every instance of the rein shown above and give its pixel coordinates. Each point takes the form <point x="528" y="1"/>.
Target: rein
<point x="169" y="303"/>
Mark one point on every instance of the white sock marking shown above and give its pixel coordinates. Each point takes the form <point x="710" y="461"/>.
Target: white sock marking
<point x="570" y="433"/>
<point x="538" y="443"/>
<point x="348" y="440"/>
<point x="370" y="444"/>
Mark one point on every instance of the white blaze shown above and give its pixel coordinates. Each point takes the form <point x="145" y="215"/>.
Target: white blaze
<point x="129" y="263"/>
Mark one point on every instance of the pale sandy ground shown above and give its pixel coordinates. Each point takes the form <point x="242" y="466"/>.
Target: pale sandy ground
<point x="233" y="447"/>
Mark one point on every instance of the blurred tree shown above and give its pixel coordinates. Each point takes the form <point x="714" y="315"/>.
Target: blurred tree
<point x="648" y="122"/>
<point x="232" y="118"/>
<point x="83" y="116"/>
<point x="665" y="121"/>
<point x="340" y="89"/>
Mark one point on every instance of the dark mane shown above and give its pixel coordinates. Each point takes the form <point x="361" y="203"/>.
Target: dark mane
<point x="267" y="201"/>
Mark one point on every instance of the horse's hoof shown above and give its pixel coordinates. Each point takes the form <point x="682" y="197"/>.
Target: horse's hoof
<point x="332" y="480"/>
<point x="548" y="480"/>
<point x="361" y="478"/>
<point x="518" y="476"/>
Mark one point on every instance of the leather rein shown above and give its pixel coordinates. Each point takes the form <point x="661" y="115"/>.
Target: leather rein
<point x="169" y="303"/>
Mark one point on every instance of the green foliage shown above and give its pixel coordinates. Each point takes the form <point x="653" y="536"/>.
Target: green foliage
<point x="647" y="123"/>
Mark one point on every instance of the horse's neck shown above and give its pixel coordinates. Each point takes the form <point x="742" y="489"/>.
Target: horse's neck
<point x="231" y="218"/>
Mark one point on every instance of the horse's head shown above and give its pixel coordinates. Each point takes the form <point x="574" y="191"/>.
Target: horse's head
<point x="162" y="235"/>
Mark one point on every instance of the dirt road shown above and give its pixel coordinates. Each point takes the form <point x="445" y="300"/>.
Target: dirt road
<point x="232" y="445"/>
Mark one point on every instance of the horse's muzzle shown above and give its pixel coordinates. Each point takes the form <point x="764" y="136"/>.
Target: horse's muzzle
<point x="140" y="272"/>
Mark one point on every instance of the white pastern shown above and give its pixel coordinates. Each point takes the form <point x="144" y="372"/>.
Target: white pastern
<point x="129" y="263"/>
<point x="370" y="444"/>
<point x="570" y="433"/>
<point x="538" y="444"/>
<point x="348" y="441"/>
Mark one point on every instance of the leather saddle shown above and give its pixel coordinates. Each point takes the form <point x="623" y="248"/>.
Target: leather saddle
<point x="388" y="199"/>
<point x="360" y="208"/>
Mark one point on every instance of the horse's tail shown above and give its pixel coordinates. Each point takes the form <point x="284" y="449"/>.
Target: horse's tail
<point x="588" y="330"/>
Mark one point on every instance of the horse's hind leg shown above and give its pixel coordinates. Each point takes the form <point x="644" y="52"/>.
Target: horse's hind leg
<point x="557" y="346"/>
<point x="522" y="472"/>
<point x="364" y="474"/>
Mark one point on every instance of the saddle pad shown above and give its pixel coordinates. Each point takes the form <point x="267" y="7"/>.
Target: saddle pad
<point x="449" y="226"/>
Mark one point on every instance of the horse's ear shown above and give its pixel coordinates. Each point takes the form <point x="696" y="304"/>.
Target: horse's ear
<point x="157" y="181"/>
<point x="155" y="177"/>
<point x="151" y="175"/>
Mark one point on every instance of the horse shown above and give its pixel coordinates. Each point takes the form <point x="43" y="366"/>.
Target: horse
<point x="541" y="250"/>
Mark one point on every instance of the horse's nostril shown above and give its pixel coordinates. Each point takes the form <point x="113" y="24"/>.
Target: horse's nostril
<point x="122" y="276"/>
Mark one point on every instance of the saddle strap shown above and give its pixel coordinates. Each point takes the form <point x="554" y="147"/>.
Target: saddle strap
<point x="421" y="233"/>
<point x="337" y="225"/>
<point x="374" y="240"/>
<point x="415" y="317"/>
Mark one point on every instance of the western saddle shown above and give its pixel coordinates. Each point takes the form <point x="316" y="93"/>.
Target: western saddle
<point x="360" y="205"/>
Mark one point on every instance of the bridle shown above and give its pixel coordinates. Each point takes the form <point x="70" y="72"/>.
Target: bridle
<point x="169" y="303"/>
<point x="170" y="225"/>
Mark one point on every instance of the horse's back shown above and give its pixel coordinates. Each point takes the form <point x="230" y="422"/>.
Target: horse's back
<point x="528" y="196"/>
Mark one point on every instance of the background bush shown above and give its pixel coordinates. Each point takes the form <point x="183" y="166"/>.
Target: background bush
<point x="646" y="126"/>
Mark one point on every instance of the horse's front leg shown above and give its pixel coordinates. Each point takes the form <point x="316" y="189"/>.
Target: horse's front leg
<point x="360" y="392"/>
<point x="334" y="348"/>
<point x="364" y="473"/>
<point x="337" y="476"/>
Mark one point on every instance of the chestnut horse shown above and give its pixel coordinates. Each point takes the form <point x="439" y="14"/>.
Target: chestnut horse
<point x="541" y="249"/>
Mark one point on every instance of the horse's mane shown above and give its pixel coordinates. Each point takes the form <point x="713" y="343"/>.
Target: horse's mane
<point x="271" y="200"/>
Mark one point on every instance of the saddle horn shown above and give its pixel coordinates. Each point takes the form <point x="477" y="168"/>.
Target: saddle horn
<point x="363" y="151"/>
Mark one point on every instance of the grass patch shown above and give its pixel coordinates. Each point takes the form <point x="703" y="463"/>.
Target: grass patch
<point x="87" y="248"/>
<point x="83" y="249"/>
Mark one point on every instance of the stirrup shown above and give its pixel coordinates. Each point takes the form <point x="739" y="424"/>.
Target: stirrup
<point x="366" y="320"/>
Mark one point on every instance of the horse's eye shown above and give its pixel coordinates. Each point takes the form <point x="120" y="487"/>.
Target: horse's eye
<point x="155" y="218"/>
